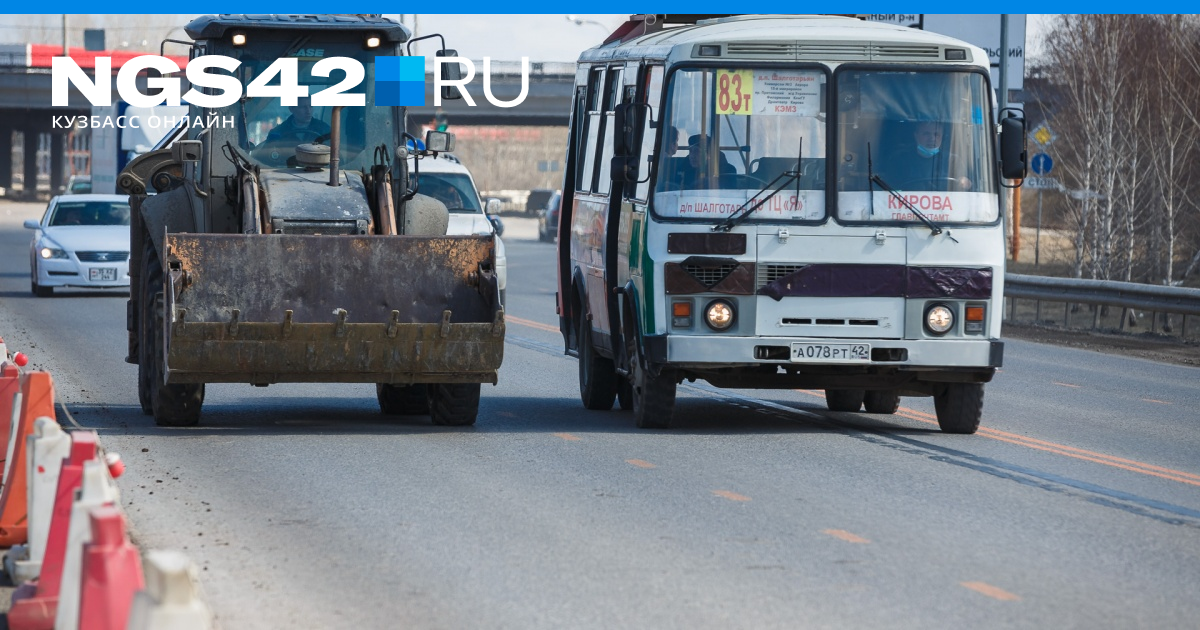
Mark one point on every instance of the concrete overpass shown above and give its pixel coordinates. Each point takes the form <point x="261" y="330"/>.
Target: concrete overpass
<point x="25" y="97"/>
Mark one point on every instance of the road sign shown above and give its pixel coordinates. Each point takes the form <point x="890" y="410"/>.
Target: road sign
<point x="1043" y="136"/>
<point x="1042" y="183"/>
<point x="1041" y="164"/>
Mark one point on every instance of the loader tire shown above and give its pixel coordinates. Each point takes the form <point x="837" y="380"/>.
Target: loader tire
<point x="454" y="404"/>
<point x="403" y="400"/>
<point x="175" y="405"/>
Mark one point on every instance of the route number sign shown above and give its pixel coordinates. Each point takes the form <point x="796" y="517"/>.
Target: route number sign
<point x="735" y="90"/>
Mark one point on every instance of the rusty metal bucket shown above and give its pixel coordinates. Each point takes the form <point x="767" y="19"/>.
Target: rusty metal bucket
<point x="361" y="309"/>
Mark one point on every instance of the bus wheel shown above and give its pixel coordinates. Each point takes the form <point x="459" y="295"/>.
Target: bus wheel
<point x="959" y="407"/>
<point x="881" y="401"/>
<point x="597" y="376"/>
<point x="453" y="404"/>
<point x="653" y="398"/>
<point x="402" y="400"/>
<point x="844" y="399"/>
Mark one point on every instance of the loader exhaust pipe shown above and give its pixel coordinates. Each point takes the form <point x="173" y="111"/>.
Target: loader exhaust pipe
<point x="335" y="142"/>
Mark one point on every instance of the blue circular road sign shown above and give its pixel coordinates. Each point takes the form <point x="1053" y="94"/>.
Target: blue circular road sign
<point x="1041" y="163"/>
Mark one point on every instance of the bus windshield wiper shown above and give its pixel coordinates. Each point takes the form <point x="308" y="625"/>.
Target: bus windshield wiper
<point x="746" y="209"/>
<point x="933" y="227"/>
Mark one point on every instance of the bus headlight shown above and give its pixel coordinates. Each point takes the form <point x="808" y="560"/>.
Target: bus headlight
<point x="719" y="315"/>
<point x="939" y="319"/>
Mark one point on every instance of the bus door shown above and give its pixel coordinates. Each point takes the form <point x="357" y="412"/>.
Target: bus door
<point x="593" y="205"/>
<point x="631" y="227"/>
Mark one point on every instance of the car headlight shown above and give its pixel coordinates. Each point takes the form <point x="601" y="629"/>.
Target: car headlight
<point x="719" y="315"/>
<point x="939" y="319"/>
<point x="46" y="251"/>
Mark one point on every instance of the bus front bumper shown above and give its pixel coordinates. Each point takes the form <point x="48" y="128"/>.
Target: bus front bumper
<point x="713" y="351"/>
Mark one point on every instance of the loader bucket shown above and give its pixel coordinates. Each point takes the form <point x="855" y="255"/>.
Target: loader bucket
<point x="353" y="309"/>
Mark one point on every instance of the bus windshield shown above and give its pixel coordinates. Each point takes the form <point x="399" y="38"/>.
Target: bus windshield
<point x="730" y="133"/>
<point x="923" y="135"/>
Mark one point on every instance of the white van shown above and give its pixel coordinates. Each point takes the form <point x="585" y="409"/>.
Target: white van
<point x="446" y="179"/>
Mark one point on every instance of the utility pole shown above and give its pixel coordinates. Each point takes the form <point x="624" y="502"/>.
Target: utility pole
<point x="66" y="50"/>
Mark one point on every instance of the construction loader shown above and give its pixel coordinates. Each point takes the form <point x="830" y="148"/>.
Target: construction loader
<point x="281" y="240"/>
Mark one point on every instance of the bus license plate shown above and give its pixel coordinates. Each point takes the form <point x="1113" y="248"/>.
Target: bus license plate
<point x="831" y="352"/>
<point x="102" y="274"/>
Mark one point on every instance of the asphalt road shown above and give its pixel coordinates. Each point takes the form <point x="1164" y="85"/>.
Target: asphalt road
<point x="1076" y="506"/>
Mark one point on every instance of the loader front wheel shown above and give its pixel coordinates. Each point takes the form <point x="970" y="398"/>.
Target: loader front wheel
<point x="403" y="400"/>
<point x="454" y="404"/>
<point x="176" y="405"/>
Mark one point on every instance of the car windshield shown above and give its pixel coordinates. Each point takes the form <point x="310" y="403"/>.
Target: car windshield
<point x="453" y="189"/>
<point x="733" y="132"/>
<point x="270" y="131"/>
<point x="90" y="213"/>
<point x="923" y="135"/>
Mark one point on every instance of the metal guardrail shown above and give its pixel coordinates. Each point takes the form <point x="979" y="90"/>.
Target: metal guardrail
<point x="1146" y="297"/>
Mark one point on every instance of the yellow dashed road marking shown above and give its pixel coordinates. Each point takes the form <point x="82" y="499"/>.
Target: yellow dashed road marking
<point x="568" y="437"/>
<point x="994" y="592"/>
<point x="842" y="534"/>
<point x="640" y="463"/>
<point x="732" y="496"/>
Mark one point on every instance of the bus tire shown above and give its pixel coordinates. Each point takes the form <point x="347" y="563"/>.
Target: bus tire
<point x="176" y="405"/>
<point x="959" y="407"/>
<point x="454" y="404"/>
<point x="597" y="376"/>
<point x="844" y="399"/>
<point x="402" y="400"/>
<point x="653" y="398"/>
<point x="881" y="401"/>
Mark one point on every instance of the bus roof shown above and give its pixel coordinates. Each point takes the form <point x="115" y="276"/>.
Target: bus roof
<point x="788" y="38"/>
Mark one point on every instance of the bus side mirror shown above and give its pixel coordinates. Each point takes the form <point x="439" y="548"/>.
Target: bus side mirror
<point x="1013" y="164"/>
<point x="624" y="126"/>
<point x="450" y="72"/>
<point x="624" y="168"/>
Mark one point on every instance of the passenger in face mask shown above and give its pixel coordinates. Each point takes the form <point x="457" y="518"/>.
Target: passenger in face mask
<point x="931" y="167"/>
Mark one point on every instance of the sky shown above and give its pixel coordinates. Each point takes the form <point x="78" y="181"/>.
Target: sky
<point x="544" y="37"/>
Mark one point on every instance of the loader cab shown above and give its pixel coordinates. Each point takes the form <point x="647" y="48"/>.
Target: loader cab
<point x="266" y="130"/>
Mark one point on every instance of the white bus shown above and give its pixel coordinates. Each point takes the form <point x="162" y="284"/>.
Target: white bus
<point x="785" y="202"/>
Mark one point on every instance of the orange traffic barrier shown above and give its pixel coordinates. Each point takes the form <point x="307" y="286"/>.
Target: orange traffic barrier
<point x="10" y="384"/>
<point x="37" y="399"/>
<point x="112" y="573"/>
<point x="35" y="604"/>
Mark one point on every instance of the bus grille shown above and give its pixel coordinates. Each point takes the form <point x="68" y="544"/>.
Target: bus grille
<point x="709" y="276"/>
<point x="770" y="273"/>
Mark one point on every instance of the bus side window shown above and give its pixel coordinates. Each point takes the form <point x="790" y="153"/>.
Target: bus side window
<point x="652" y="97"/>
<point x="612" y="92"/>
<point x="587" y="149"/>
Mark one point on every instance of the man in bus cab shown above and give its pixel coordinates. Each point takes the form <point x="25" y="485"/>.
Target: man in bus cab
<point x="697" y="174"/>
<point x="927" y="165"/>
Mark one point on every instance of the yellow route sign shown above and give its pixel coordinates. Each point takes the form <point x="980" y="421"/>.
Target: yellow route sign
<point x="735" y="89"/>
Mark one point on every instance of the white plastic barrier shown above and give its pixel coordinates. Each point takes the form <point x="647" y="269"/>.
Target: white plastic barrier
<point x="48" y="446"/>
<point x="97" y="489"/>
<point x="170" y="600"/>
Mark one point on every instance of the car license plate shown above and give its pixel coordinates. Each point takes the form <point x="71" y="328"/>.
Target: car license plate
<point x="831" y="352"/>
<point x="102" y="274"/>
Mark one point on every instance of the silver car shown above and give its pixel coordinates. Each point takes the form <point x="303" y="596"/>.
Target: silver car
<point x="82" y="241"/>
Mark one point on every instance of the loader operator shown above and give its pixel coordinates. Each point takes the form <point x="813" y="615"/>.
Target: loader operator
<point x="300" y="126"/>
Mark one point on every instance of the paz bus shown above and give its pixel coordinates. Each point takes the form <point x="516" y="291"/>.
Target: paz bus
<point x="808" y="202"/>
